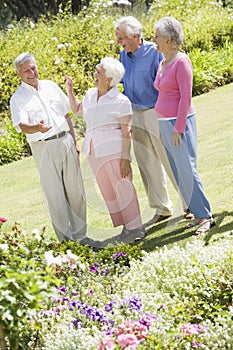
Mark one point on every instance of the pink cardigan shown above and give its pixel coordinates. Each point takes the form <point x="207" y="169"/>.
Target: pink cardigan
<point x="175" y="91"/>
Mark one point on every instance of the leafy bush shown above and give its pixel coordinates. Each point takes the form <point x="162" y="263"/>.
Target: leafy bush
<point x="25" y="285"/>
<point x="13" y="145"/>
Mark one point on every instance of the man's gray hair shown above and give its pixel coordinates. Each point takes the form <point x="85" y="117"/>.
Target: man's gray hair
<point x="22" y="58"/>
<point x="113" y="69"/>
<point x="169" y="26"/>
<point x="131" y="26"/>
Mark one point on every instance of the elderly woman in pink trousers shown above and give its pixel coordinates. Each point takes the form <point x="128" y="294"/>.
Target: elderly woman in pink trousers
<point x="107" y="114"/>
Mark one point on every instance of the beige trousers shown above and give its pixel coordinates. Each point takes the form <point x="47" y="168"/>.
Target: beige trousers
<point x="152" y="160"/>
<point x="60" y="176"/>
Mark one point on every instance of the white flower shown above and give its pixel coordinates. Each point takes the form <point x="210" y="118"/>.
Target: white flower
<point x="4" y="247"/>
<point x="3" y="132"/>
<point x="57" y="60"/>
<point x="36" y="234"/>
<point x="50" y="259"/>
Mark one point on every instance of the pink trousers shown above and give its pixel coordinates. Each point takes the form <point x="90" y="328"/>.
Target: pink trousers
<point x="119" y="193"/>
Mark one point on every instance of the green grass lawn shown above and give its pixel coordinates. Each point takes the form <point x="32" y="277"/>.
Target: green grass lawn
<point x="22" y="200"/>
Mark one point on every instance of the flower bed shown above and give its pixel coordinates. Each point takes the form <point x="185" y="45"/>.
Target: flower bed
<point x="118" y="298"/>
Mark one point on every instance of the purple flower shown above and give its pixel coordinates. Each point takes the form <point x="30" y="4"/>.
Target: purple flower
<point x="133" y="303"/>
<point x="145" y="322"/>
<point x="91" y="291"/>
<point x="108" y="307"/>
<point x="116" y="255"/>
<point x="74" y="293"/>
<point x="56" y="300"/>
<point x="76" y="303"/>
<point x="110" y="331"/>
<point x="93" y="268"/>
<point x="62" y="290"/>
<point x="77" y="323"/>
<point x="94" y="313"/>
<point x="104" y="272"/>
<point x="151" y="316"/>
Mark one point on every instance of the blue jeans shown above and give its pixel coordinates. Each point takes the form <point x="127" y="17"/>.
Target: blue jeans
<point x="183" y="161"/>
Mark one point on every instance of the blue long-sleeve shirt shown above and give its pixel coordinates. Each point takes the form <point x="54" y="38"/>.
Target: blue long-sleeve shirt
<point x="140" y="71"/>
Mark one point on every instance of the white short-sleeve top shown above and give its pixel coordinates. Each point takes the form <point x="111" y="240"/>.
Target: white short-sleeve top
<point x="102" y="117"/>
<point x="48" y="103"/>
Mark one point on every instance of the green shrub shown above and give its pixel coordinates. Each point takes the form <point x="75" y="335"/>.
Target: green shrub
<point x="13" y="145"/>
<point x="211" y="69"/>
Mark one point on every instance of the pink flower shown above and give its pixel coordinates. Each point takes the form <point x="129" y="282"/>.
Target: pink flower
<point x="190" y="329"/>
<point x="106" y="344"/>
<point x="3" y="220"/>
<point x="133" y="327"/>
<point x="125" y="340"/>
<point x="196" y="345"/>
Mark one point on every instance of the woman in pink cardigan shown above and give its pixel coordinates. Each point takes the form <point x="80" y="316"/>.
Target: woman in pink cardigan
<point x="177" y="120"/>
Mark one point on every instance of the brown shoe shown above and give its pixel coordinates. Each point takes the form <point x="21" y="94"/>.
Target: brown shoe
<point x="156" y="218"/>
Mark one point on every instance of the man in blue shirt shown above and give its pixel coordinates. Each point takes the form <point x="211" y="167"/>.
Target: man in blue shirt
<point x="141" y="59"/>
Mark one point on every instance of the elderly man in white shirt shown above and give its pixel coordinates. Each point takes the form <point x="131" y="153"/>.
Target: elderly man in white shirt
<point x="107" y="114"/>
<point x="40" y="109"/>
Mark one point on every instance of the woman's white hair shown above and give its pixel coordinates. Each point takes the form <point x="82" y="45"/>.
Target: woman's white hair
<point x="113" y="69"/>
<point x="170" y="27"/>
<point x="22" y="58"/>
<point x="130" y="25"/>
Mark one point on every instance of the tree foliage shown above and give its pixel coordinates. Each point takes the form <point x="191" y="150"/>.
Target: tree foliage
<point x="34" y="9"/>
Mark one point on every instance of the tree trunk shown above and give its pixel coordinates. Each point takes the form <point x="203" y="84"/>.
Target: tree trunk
<point x="2" y="337"/>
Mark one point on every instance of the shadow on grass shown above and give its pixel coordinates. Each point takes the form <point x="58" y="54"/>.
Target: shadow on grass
<point x="175" y="230"/>
<point x="217" y="229"/>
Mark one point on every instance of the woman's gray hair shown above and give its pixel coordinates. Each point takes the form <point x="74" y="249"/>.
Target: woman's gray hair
<point x="113" y="69"/>
<point x="131" y="26"/>
<point x="22" y="58"/>
<point x="169" y="26"/>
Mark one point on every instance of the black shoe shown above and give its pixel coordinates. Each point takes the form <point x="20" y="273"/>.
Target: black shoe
<point x="91" y="243"/>
<point x="188" y="215"/>
<point x="129" y="236"/>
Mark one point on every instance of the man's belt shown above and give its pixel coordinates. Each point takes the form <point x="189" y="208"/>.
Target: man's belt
<point x="57" y="136"/>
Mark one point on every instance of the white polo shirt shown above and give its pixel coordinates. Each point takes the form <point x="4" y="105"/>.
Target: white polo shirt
<point x="48" y="103"/>
<point x="102" y="119"/>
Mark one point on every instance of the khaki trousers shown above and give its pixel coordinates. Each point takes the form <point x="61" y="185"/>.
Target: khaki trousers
<point x="60" y="176"/>
<point x="152" y="160"/>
